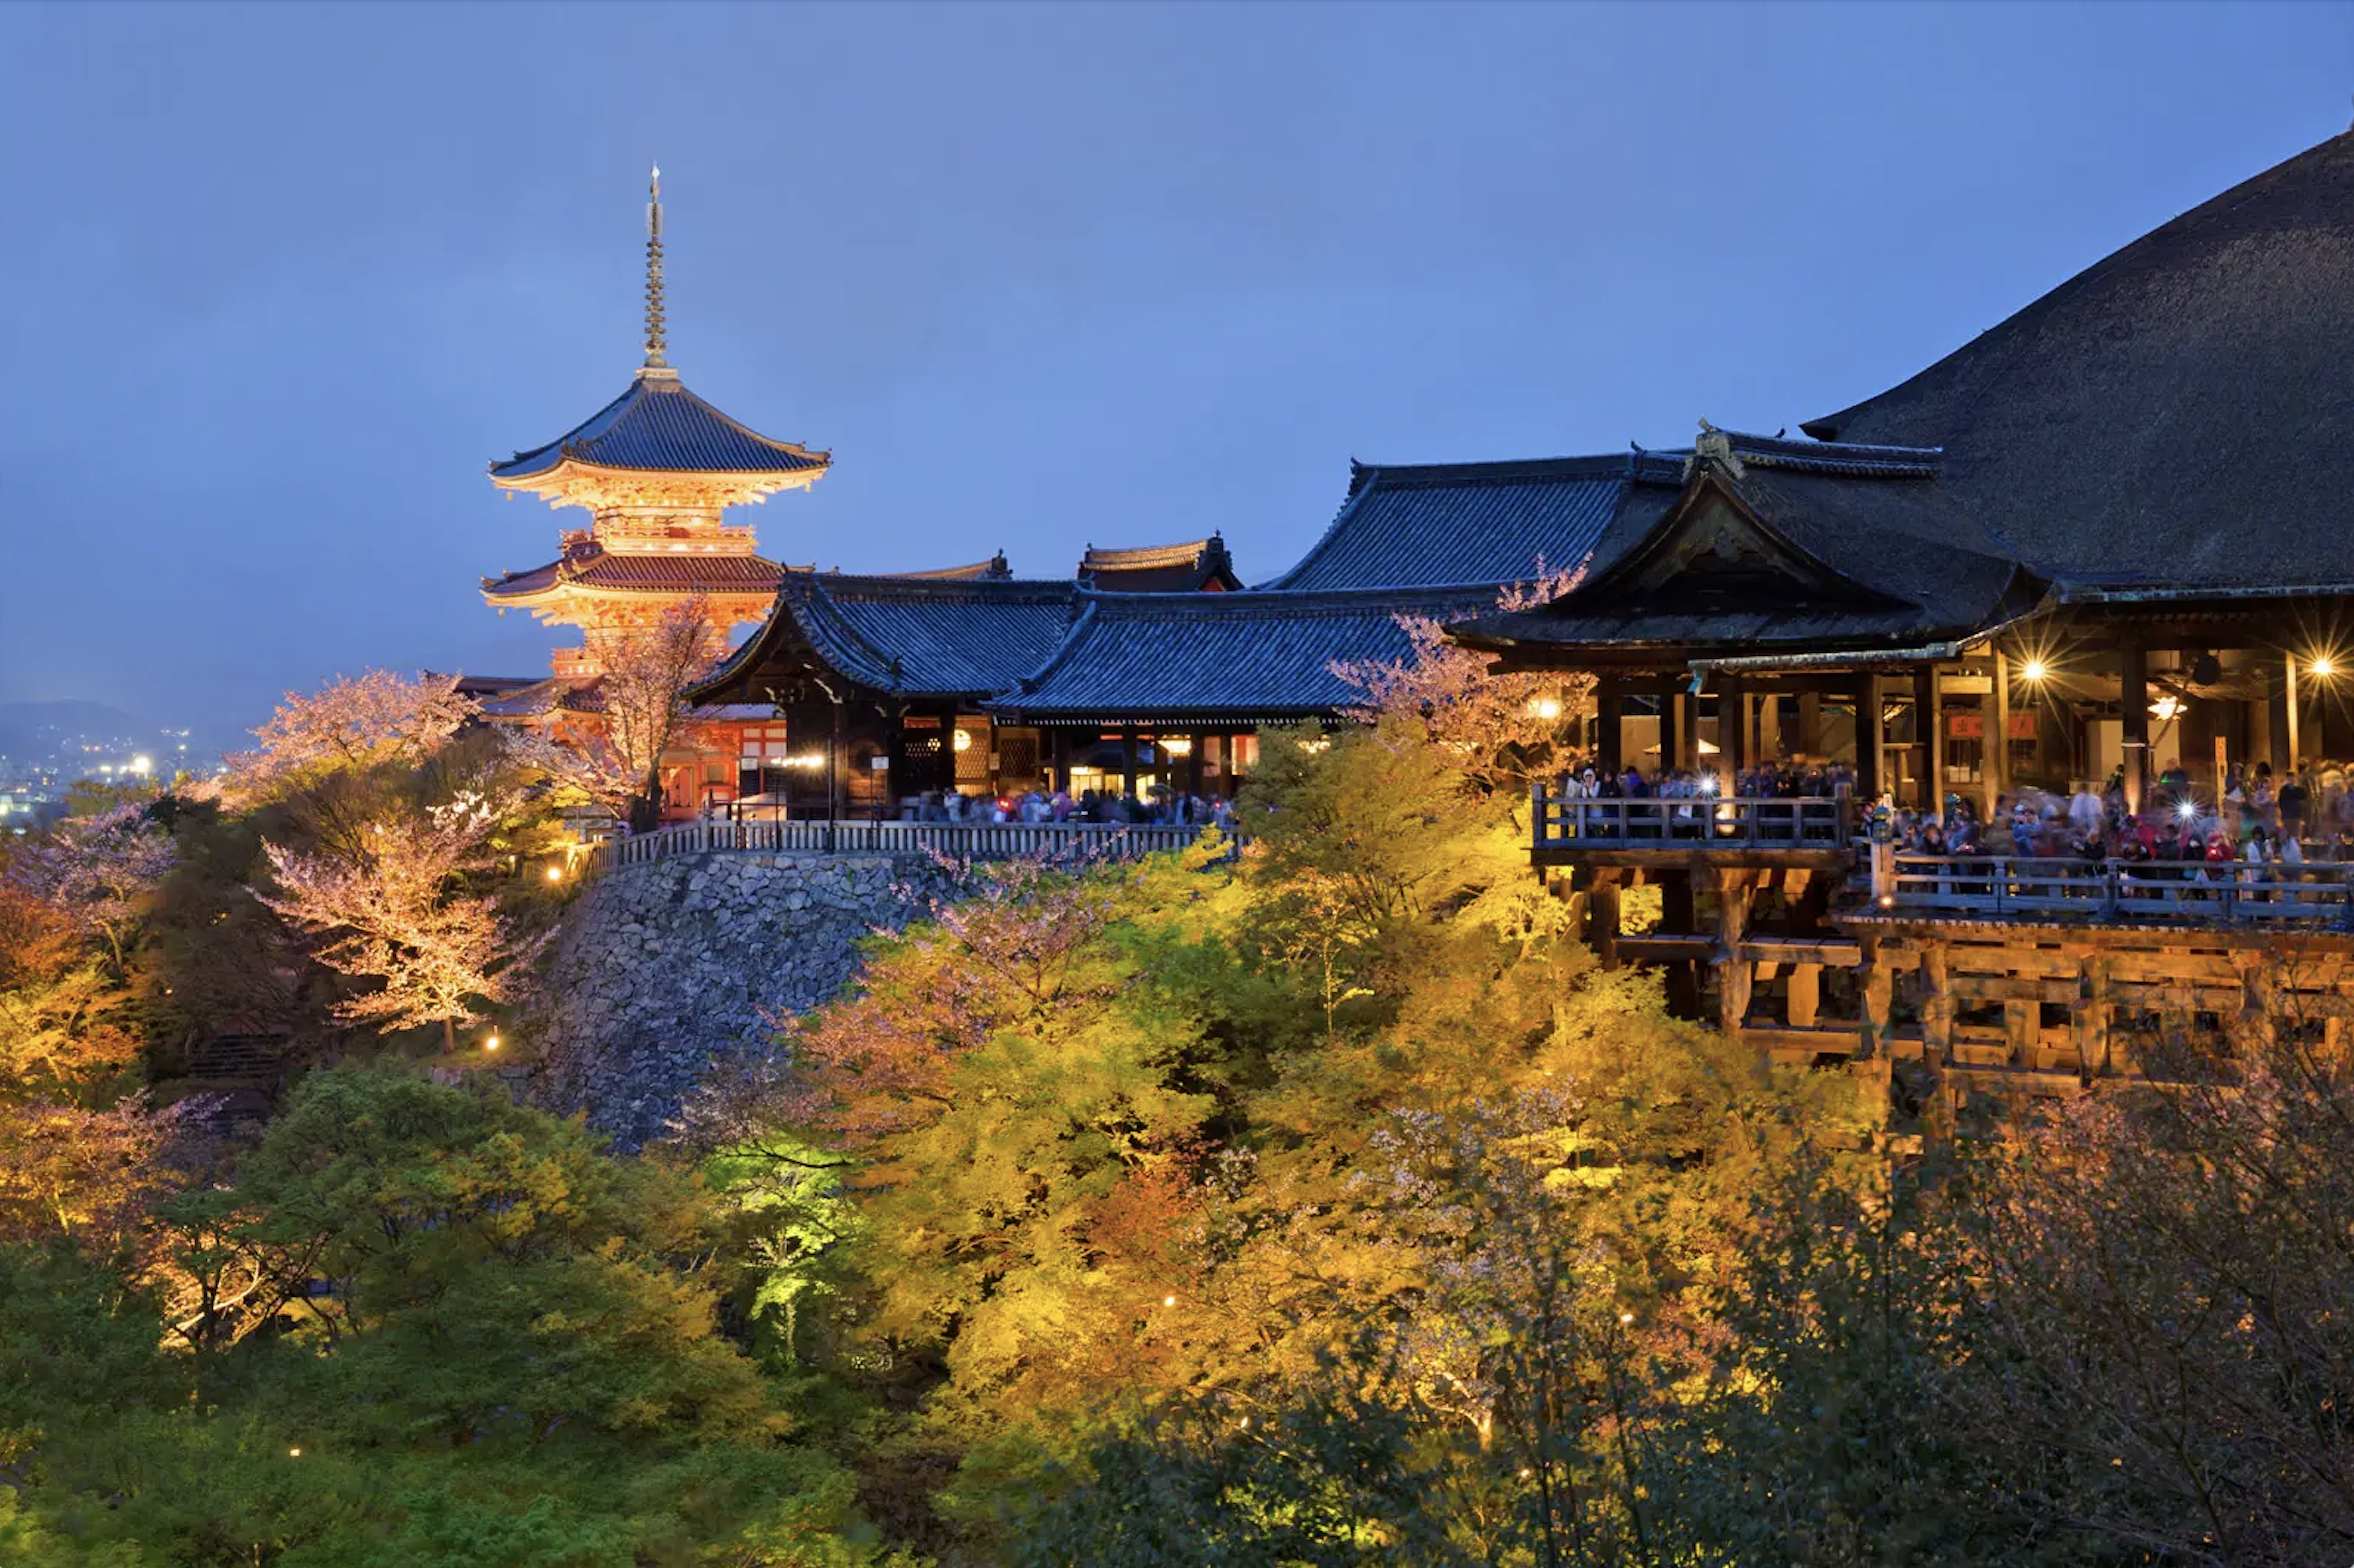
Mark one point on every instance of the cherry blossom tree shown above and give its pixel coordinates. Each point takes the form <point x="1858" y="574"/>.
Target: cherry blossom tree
<point x="381" y="717"/>
<point x="616" y="759"/>
<point x="100" y="870"/>
<point x="401" y="913"/>
<point x="1499" y="731"/>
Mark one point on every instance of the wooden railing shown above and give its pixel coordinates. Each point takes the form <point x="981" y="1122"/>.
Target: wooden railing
<point x="2035" y="887"/>
<point x="1075" y="841"/>
<point x="1729" y="822"/>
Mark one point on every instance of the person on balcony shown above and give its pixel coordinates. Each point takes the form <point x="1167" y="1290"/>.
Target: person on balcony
<point x="2295" y="801"/>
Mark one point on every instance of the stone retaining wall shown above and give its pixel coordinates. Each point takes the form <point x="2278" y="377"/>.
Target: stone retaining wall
<point x="669" y="973"/>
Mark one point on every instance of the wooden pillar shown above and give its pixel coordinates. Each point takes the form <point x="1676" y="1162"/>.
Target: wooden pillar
<point x="1927" y="720"/>
<point x="1677" y="917"/>
<point x="1609" y="720"/>
<point x="1060" y="750"/>
<point x="1127" y="759"/>
<point x="1869" y="777"/>
<point x="1193" y="763"/>
<point x="1810" y="725"/>
<point x="1733" y="972"/>
<point x="2088" y="1018"/>
<point x="1602" y="915"/>
<point x="1806" y="995"/>
<point x="1687" y="731"/>
<point x="2022" y="1031"/>
<point x="1769" y="727"/>
<point x="2134" y="709"/>
<point x="1878" y="989"/>
<point x="2195" y="739"/>
<point x="1937" y="1006"/>
<point x="1732" y="734"/>
<point x="1671" y="729"/>
<point x="2292" y="720"/>
<point x="1997" y="771"/>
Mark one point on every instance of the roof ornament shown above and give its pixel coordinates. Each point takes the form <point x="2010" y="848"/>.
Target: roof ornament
<point x="656" y="338"/>
<point x="1715" y="446"/>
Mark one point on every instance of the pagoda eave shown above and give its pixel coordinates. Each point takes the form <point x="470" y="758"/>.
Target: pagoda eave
<point x="572" y="482"/>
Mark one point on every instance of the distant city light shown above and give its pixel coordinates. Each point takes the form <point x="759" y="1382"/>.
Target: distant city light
<point x="142" y="764"/>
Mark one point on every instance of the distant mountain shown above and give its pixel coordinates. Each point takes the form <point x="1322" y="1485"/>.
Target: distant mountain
<point x="35" y="728"/>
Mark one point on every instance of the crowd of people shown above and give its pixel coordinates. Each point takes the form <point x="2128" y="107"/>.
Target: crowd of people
<point x="2305" y="816"/>
<point x="1157" y="806"/>
<point x="1786" y="780"/>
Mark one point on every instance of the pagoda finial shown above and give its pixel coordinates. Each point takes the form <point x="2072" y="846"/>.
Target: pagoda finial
<point x="656" y="338"/>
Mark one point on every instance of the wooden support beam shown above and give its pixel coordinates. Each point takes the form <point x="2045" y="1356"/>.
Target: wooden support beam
<point x="1602" y="916"/>
<point x="2134" y="710"/>
<point x="1734" y="890"/>
<point x="1733" y="755"/>
<point x="1870" y="774"/>
<point x="2090" y="1016"/>
<point x="1610" y="695"/>
<point x="1806" y="995"/>
<point x="2292" y="720"/>
<point x="1878" y="987"/>
<point x="2022" y="1021"/>
<point x="1926" y="721"/>
<point x="1678" y="917"/>
<point x="1810" y="725"/>
<point x="1996" y="748"/>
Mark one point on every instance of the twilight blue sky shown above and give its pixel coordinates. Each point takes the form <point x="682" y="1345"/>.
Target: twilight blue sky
<point x="281" y="279"/>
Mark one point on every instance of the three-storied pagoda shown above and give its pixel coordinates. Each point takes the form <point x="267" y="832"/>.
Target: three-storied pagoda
<point x="656" y="469"/>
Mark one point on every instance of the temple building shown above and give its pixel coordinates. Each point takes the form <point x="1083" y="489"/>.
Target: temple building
<point x="2103" y="541"/>
<point x="1148" y="668"/>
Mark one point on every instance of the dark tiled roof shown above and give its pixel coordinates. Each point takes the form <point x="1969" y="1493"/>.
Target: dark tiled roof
<point x="590" y="565"/>
<point x="1161" y="568"/>
<point x="1465" y="524"/>
<point x="915" y="636"/>
<point x="1231" y="657"/>
<point x="2176" y="414"/>
<point x="1900" y="559"/>
<point x="659" y="426"/>
<point x="995" y="569"/>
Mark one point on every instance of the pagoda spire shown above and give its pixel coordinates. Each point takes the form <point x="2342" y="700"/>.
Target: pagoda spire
<point x="656" y="338"/>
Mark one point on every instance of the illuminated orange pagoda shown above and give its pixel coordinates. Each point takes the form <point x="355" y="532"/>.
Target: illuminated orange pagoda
<point x="656" y="469"/>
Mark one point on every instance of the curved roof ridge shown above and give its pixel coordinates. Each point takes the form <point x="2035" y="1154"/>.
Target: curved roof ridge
<point x="2142" y="251"/>
<point x="1180" y="554"/>
<point x="640" y="431"/>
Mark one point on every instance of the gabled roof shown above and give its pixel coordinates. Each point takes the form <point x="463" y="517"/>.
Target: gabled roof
<point x="916" y="637"/>
<point x="1466" y="524"/>
<point x="590" y="565"/>
<point x="2176" y="414"/>
<point x="658" y="426"/>
<point x="1842" y="547"/>
<point x="1187" y="567"/>
<point x="1235" y="658"/>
